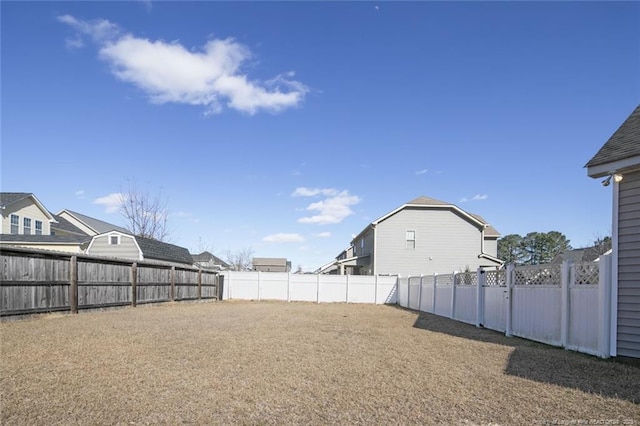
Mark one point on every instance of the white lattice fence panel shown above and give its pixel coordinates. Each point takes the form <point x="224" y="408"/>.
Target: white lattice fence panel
<point x="587" y="273"/>
<point x="466" y="278"/>
<point x="538" y="275"/>
<point x="446" y="279"/>
<point x="495" y="278"/>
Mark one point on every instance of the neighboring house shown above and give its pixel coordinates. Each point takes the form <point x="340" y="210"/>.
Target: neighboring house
<point x="24" y="214"/>
<point x="27" y="223"/>
<point x="206" y="260"/>
<point x="424" y="236"/>
<point x="126" y="246"/>
<point x="86" y="224"/>
<point x="587" y="254"/>
<point x="619" y="162"/>
<point x="271" y="264"/>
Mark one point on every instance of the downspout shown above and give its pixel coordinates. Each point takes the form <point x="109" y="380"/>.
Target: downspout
<point x="614" y="269"/>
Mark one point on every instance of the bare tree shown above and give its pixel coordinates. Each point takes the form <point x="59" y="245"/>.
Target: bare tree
<point x="240" y="260"/>
<point x="146" y="214"/>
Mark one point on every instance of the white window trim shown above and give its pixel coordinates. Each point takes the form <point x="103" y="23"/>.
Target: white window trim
<point x="406" y="236"/>
<point x="35" y="227"/>
<point x="30" y="227"/>
<point x="11" y="224"/>
<point x="109" y="237"/>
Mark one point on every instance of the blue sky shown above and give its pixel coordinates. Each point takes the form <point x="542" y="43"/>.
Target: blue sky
<point x="287" y="127"/>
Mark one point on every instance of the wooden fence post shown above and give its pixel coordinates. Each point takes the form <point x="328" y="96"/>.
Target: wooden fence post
<point x="199" y="284"/>
<point x="134" y="284"/>
<point x="173" y="283"/>
<point x="73" y="284"/>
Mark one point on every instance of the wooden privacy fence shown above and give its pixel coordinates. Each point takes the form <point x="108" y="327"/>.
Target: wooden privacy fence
<point x="566" y="305"/>
<point x="36" y="281"/>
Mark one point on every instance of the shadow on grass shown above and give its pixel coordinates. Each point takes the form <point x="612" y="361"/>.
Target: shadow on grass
<point x="548" y="364"/>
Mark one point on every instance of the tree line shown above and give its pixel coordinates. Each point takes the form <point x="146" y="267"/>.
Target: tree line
<point x="540" y="247"/>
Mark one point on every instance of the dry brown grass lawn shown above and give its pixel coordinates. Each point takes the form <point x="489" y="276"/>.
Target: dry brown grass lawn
<point x="281" y="363"/>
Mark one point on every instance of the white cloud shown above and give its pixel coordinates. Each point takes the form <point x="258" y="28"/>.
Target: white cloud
<point x="332" y="209"/>
<point x="284" y="238"/>
<point x="477" y="197"/>
<point x="80" y="193"/>
<point x="421" y="172"/>
<point x="312" y="192"/>
<point x="169" y="72"/>
<point x="322" y="234"/>
<point x="111" y="202"/>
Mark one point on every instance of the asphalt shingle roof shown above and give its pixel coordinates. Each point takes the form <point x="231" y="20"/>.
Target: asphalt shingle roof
<point x="98" y="225"/>
<point x="623" y="144"/>
<point x="44" y="238"/>
<point x="7" y="198"/>
<point x="64" y="225"/>
<point x="158" y="250"/>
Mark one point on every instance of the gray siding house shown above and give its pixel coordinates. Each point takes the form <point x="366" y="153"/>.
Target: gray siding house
<point x="271" y="264"/>
<point x="126" y="246"/>
<point x="618" y="161"/>
<point x="422" y="237"/>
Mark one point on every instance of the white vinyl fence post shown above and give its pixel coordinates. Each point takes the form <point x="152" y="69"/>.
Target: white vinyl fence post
<point x="375" y="291"/>
<point x="420" y="294"/>
<point x="604" y="308"/>
<point x="509" y="300"/>
<point x="318" y="289"/>
<point x="567" y="277"/>
<point x="453" y="296"/>
<point x="289" y="287"/>
<point x="409" y="291"/>
<point x="433" y="296"/>
<point x="480" y="278"/>
<point x="346" y="296"/>
<point x="259" y="284"/>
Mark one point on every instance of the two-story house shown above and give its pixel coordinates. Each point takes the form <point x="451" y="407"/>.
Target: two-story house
<point x="424" y="236"/>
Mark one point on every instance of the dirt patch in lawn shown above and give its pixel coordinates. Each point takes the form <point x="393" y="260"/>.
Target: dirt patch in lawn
<point x="274" y="363"/>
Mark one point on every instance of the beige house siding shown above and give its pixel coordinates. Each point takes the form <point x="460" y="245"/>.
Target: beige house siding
<point x="628" y="340"/>
<point x="25" y="208"/>
<point x="74" y="221"/>
<point x="127" y="249"/>
<point x="444" y="242"/>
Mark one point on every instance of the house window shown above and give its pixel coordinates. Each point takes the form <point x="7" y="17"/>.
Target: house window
<point x="114" y="240"/>
<point x="362" y="246"/>
<point x="411" y="240"/>
<point x="38" y="227"/>
<point x="26" y="228"/>
<point x="15" y="224"/>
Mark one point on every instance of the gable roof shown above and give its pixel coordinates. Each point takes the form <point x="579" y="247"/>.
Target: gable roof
<point x="621" y="151"/>
<point x="99" y="226"/>
<point x="8" y="198"/>
<point x="64" y="225"/>
<point x="586" y="254"/>
<point x="205" y="256"/>
<point x="423" y="201"/>
<point x="158" y="250"/>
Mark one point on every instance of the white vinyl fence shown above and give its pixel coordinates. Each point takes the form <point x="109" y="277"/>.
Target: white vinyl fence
<point x="378" y="289"/>
<point x="564" y="305"/>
